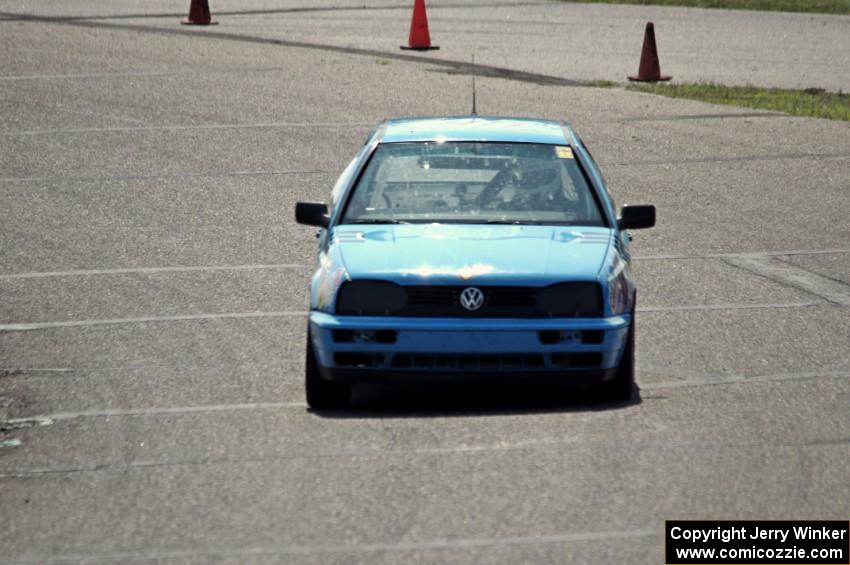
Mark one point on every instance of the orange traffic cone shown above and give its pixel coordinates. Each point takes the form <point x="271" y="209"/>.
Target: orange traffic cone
<point x="650" y="69"/>
<point x="199" y="14"/>
<point x="419" y="38"/>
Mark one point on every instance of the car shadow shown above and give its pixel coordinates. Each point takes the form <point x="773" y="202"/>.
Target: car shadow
<point x="470" y="400"/>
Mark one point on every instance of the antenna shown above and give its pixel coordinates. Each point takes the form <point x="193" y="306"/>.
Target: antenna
<point x="474" y="108"/>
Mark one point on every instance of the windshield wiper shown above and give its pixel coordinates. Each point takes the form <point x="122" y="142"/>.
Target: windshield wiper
<point x="378" y="221"/>
<point x="513" y="222"/>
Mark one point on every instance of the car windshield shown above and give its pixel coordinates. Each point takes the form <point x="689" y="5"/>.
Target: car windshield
<point x="473" y="182"/>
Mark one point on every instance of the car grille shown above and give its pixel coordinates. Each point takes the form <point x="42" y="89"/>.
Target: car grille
<point x="469" y="362"/>
<point x="499" y="302"/>
<point x="448" y="297"/>
<point x="578" y="299"/>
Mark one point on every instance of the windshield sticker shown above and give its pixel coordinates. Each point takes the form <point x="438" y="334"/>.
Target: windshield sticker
<point x="564" y="152"/>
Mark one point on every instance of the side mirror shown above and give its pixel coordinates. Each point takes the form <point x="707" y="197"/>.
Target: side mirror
<point x="636" y="216"/>
<point x="312" y="214"/>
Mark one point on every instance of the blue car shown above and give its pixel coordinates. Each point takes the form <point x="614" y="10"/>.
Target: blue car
<point x="461" y="247"/>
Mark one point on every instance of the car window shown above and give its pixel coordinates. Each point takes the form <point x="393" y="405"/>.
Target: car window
<point x="473" y="182"/>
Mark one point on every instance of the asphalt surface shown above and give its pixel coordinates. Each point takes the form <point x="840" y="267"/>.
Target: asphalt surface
<point x="153" y="288"/>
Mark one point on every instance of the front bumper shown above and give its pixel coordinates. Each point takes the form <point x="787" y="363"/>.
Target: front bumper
<point x="578" y="349"/>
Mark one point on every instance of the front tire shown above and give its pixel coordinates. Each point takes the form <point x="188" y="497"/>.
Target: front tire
<point x="322" y="394"/>
<point x="619" y="389"/>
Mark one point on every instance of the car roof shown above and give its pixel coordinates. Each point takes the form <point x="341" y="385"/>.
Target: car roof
<point x="474" y="128"/>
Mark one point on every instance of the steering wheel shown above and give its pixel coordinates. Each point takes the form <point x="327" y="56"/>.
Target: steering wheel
<point x="492" y="189"/>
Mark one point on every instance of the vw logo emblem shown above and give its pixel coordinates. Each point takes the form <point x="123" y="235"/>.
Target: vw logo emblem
<point x="472" y="298"/>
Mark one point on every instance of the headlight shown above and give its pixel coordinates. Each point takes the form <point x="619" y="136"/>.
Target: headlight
<point x="619" y="295"/>
<point x="370" y="298"/>
<point x="571" y="300"/>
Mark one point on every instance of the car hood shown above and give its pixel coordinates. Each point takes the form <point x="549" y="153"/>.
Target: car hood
<point x="486" y="254"/>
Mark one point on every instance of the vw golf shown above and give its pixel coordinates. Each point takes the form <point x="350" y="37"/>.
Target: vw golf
<point x="471" y="246"/>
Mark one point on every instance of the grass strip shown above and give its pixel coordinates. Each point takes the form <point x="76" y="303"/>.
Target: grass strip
<point x="811" y="6"/>
<point x="811" y="102"/>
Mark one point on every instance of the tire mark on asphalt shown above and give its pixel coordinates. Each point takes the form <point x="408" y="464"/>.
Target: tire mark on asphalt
<point x="282" y="363"/>
<point x="60" y="416"/>
<point x="122" y="129"/>
<point x="92" y="272"/>
<point x="149" y="270"/>
<point x="753" y="254"/>
<point x="740" y="379"/>
<point x="432" y="545"/>
<point x="793" y="276"/>
<point x="761" y="306"/>
<point x="460" y="67"/>
<point x="427" y="451"/>
<point x="787" y="261"/>
<point x="161" y="176"/>
<point x="695" y="378"/>
<point x="694" y="381"/>
<point x="23" y="423"/>
<point x="379" y="453"/>
<point x="24" y="327"/>
<point x="301" y="10"/>
<point x="742" y="158"/>
<point x="205" y="71"/>
<point x="24" y="371"/>
<point x="280" y="125"/>
<point x="315" y="172"/>
<point x="705" y="117"/>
